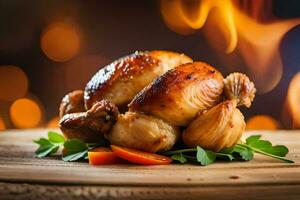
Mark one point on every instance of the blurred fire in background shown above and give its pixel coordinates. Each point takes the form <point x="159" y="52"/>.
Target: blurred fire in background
<point x="49" y="48"/>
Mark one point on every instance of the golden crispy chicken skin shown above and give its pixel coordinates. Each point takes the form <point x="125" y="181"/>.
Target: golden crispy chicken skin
<point x="90" y="126"/>
<point x="143" y="132"/>
<point x="120" y="81"/>
<point x="72" y="103"/>
<point x="178" y="95"/>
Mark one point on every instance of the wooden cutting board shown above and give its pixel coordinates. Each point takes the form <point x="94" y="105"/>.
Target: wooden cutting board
<point x="22" y="176"/>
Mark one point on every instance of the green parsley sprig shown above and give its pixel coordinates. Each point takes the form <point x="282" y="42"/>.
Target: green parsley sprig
<point x="49" y="145"/>
<point x="74" y="149"/>
<point x="242" y="151"/>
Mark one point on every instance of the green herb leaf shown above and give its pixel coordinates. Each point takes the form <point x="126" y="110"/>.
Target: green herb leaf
<point x="75" y="145"/>
<point x="48" y="146"/>
<point x="265" y="147"/>
<point x="75" y="150"/>
<point x="55" y="137"/>
<point x="75" y="156"/>
<point x="205" y="157"/>
<point x="239" y="152"/>
<point x="279" y="150"/>
<point x="253" y="138"/>
<point x="179" y="157"/>
<point x="54" y="150"/>
<point x="42" y="142"/>
<point x="244" y="152"/>
<point x="45" y="150"/>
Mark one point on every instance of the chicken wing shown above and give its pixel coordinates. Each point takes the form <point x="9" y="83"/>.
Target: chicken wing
<point x="90" y="126"/>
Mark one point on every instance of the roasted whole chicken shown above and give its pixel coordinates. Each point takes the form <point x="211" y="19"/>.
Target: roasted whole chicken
<point x="117" y="83"/>
<point x="165" y="92"/>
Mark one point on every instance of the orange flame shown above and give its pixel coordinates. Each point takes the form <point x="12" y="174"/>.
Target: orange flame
<point x="175" y="8"/>
<point x="256" y="42"/>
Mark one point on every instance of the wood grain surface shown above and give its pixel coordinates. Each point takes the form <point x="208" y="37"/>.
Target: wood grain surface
<point x="22" y="176"/>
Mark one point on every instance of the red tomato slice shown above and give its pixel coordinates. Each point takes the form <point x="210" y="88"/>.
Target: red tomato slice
<point x="140" y="157"/>
<point x="102" y="156"/>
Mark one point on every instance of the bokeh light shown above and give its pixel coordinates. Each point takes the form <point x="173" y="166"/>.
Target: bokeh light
<point x="25" y="113"/>
<point x="53" y="123"/>
<point x="60" y="41"/>
<point x="293" y="100"/>
<point x="262" y="122"/>
<point x="2" y="125"/>
<point x="13" y="83"/>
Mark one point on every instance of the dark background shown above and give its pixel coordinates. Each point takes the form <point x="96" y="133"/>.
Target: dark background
<point x="112" y="29"/>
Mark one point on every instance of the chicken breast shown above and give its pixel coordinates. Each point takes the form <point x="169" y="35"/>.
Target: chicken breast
<point x="143" y="132"/>
<point x="120" y="81"/>
<point x="178" y="95"/>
